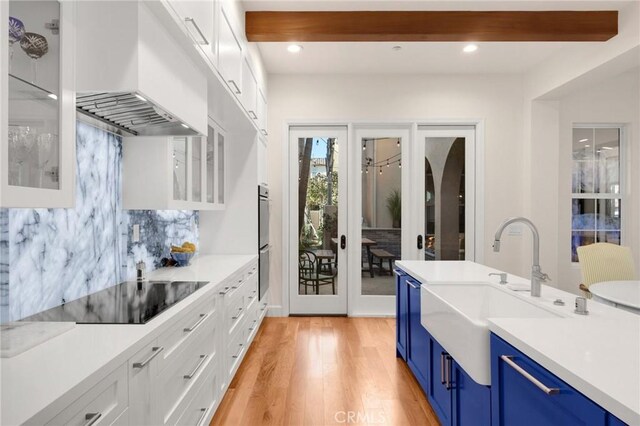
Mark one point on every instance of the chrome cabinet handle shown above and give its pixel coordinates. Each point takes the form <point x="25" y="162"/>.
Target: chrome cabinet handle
<point x="238" y="91"/>
<point x="156" y="350"/>
<point x="203" y="358"/>
<point x="91" y="418"/>
<point x="447" y="374"/>
<point x="195" y="25"/>
<point x="509" y="360"/>
<point x="412" y="285"/>
<point x="202" y="416"/>
<point x="238" y="314"/>
<point x="252" y="115"/>
<point x="442" y="381"/>
<point x="397" y="272"/>
<point x="264" y="132"/>
<point x="197" y="323"/>
<point x="225" y="291"/>
<point x="238" y="354"/>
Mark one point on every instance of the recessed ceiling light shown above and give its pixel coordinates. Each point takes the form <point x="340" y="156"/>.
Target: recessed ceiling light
<point x="470" y="48"/>
<point x="583" y="140"/>
<point x="294" y="48"/>
<point x="607" y="147"/>
<point x="141" y="98"/>
<point x="396" y="48"/>
<point x="52" y="96"/>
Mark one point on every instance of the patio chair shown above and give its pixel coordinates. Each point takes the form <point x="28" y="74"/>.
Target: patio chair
<point x="604" y="262"/>
<point x="309" y="273"/>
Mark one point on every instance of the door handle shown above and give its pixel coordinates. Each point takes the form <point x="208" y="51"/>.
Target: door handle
<point x="343" y="242"/>
<point x="412" y="285"/>
<point x="419" y="242"/>
<point x="544" y="388"/>
<point x="442" y="381"/>
<point x="448" y="369"/>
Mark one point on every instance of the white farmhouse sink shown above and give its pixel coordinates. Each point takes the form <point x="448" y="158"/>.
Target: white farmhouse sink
<point x="456" y="316"/>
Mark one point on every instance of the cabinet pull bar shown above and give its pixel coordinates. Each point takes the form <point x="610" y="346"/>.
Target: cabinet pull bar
<point x="202" y="416"/>
<point x="412" y="285"/>
<point x="91" y="418"/>
<point x="442" y="368"/>
<point x="238" y="91"/>
<point x="238" y="315"/>
<point x="447" y="374"/>
<point x="225" y="291"/>
<point x="252" y="115"/>
<point x="195" y="25"/>
<point x="239" y="352"/>
<point x="156" y="350"/>
<point x="194" y="326"/>
<point x="397" y="272"/>
<point x="509" y="360"/>
<point x="203" y="358"/>
<point x="264" y="132"/>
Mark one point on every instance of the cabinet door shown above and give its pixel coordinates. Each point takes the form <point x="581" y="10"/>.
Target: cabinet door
<point x="249" y="90"/>
<point x="402" y="309"/>
<point x="38" y="149"/>
<point x="197" y="168"/>
<point x="262" y="112"/>
<point x="220" y="167"/>
<point x="210" y="166"/>
<point x="471" y="401"/>
<point x="143" y="369"/>
<point x="262" y="162"/>
<point x="517" y="399"/>
<point x="418" y="337"/>
<point x="229" y="55"/>
<point x="439" y="388"/>
<point x="180" y="168"/>
<point x="198" y="18"/>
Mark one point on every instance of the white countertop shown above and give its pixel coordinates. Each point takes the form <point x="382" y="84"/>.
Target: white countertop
<point x="597" y="354"/>
<point x="79" y="358"/>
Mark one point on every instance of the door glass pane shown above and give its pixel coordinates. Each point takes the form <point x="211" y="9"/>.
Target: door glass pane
<point x="607" y="156"/>
<point x="220" y="168"/>
<point x="444" y="198"/>
<point x="34" y="75"/>
<point x="196" y="169"/>
<point x="381" y="214"/>
<point x="318" y="216"/>
<point x="180" y="169"/>
<point x="210" y="165"/>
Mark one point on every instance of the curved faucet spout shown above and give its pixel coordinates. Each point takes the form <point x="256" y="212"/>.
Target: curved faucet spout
<point x="537" y="276"/>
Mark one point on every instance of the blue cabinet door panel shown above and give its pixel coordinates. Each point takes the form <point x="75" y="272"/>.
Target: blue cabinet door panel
<point x="418" y="339"/>
<point x="401" y="314"/>
<point x="471" y="401"/>
<point x="517" y="401"/>
<point x="439" y="396"/>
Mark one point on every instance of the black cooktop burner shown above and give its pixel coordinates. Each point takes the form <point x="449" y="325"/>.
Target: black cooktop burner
<point x="125" y="303"/>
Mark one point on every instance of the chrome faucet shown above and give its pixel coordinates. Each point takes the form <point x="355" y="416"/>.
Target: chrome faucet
<point x="537" y="276"/>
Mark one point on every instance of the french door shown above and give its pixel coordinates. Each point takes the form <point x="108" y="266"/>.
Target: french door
<point x="318" y="191"/>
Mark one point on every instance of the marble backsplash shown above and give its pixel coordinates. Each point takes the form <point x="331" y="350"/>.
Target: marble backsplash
<point x="51" y="255"/>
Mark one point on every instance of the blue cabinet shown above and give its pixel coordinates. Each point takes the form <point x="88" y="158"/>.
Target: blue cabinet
<point x="471" y="401"/>
<point x="439" y="391"/>
<point x="418" y="339"/>
<point x="402" y="312"/>
<point x="524" y="393"/>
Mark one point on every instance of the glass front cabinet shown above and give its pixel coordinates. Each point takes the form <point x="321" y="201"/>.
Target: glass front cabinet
<point x="37" y="104"/>
<point x="178" y="172"/>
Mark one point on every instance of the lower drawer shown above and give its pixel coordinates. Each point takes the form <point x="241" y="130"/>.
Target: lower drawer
<point x="104" y="404"/>
<point x="204" y="401"/>
<point x="235" y="349"/>
<point x="182" y="375"/>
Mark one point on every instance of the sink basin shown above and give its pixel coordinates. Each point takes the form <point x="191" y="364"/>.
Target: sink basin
<point x="456" y="315"/>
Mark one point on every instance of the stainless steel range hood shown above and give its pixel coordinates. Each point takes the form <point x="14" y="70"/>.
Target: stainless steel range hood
<point x="131" y="113"/>
<point x="133" y="74"/>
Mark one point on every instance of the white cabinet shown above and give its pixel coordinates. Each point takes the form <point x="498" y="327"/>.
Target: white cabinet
<point x="249" y="90"/>
<point x="142" y="371"/>
<point x="198" y="18"/>
<point x="263" y="176"/>
<point x="229" y="53"/>
<point x="173" y="173"/>
<point x="262" y="112"/>
<point x="37" y="104"/>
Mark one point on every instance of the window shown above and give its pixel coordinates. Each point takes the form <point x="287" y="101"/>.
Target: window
<point x="596" y="188"/>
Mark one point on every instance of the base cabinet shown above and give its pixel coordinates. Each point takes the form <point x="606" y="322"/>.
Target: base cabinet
<point x="402" y="309"/>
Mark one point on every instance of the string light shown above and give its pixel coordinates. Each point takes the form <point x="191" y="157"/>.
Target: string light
<point x="398" y="143"/>
<point x="364" y="145"/>
<point x="380" y="170"/>
<point x="387" y="162"/>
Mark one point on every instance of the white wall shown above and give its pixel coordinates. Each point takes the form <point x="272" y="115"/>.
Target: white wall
<point x="496" y="99"/>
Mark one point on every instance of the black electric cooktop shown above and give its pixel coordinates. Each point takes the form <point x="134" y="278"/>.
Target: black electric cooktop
<point x="126" y="303"/>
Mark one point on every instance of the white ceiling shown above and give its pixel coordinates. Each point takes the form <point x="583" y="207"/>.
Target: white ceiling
<point x="414" y="58"/>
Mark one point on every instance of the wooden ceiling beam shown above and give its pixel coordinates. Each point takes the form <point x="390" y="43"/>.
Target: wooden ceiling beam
<point x="525" y="26"/>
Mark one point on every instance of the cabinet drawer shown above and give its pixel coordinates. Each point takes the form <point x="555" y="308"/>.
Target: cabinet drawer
<point x="235" y="349"/>
<point x="181" y="375"/>
<point x="234" y="311"/>
<point x="181" y="333"/>
<point x="104" y="404"/>
<point x="203" y="401"/>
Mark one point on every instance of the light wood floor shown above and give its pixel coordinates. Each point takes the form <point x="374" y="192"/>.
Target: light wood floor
<point x="324" y="371"/>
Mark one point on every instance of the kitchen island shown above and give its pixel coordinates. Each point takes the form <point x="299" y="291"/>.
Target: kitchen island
<point x="597" y="354"/>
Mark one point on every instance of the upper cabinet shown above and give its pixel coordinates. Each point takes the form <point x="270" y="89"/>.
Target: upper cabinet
<point x="178" y="172"/>
<point x="262" y="112"/>
<point x="198" y="18"/>
<point x="37" y="110"/>
<point x="229" y="53"/>
<point x="134" y="73"/>
<point x="249" y="90"/>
